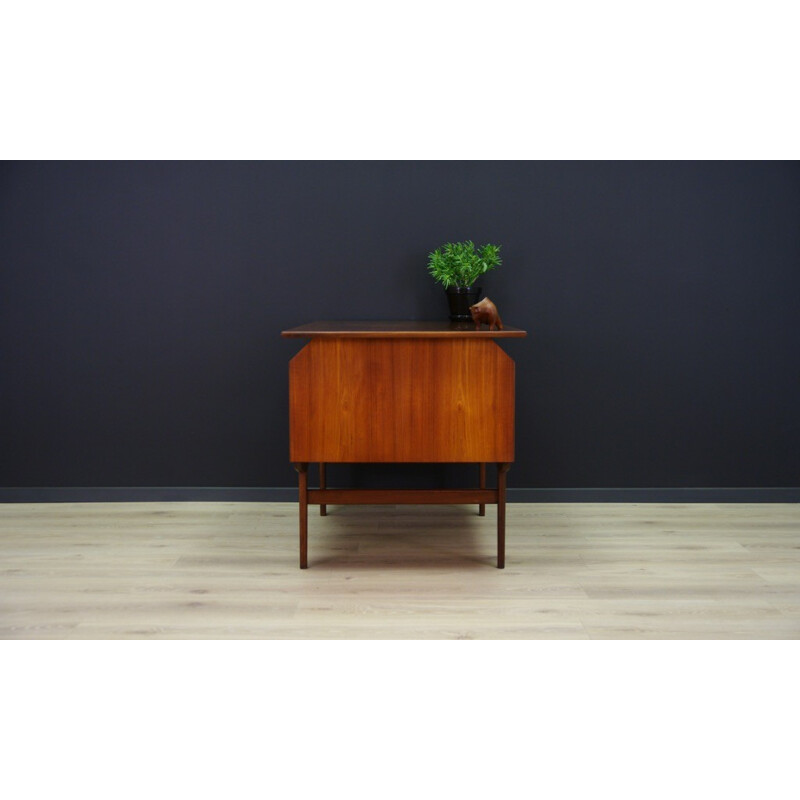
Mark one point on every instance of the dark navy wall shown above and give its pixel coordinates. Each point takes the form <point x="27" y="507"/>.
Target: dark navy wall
<point x="141" y="306"/>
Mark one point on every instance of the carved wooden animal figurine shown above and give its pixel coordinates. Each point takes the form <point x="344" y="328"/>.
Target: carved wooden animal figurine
<point x="486" y="311"/>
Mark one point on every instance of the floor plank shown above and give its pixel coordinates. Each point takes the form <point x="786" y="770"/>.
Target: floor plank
<point x="229" y="571"/>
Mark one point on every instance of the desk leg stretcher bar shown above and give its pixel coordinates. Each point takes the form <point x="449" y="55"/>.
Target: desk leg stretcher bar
<point x="323" y="496"/>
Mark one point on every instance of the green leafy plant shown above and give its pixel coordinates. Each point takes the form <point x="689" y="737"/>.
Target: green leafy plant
<point x="460" y="264"/>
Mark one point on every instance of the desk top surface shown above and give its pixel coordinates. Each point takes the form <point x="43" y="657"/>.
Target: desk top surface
<point x="398" y="329"/>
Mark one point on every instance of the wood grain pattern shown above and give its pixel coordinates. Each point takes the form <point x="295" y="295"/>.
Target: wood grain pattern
<point x="229" y="571"/>
<point x="401" y="400"/>
<point x="399" y="329"/>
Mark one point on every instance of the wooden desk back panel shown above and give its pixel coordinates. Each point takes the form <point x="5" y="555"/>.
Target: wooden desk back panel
<point x="403" y="400"/>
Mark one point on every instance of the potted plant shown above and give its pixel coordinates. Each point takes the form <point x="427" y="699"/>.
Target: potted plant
<point x="457" y="265"/>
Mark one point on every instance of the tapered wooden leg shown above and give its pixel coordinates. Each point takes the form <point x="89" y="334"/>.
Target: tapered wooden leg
<point x="502" y="469"/>
<point x="323" y="510"/>
<point x="482" y="485"/>
<point x="302" y="470"/>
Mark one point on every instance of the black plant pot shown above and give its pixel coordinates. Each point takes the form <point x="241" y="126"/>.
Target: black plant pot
<point x="460" y="299"/>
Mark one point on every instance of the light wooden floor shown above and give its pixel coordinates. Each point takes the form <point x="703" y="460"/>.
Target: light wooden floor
<point x="229" y="570"/>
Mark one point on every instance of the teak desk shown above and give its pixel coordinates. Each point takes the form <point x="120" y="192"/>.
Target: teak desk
<point x="363" y="392"/>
